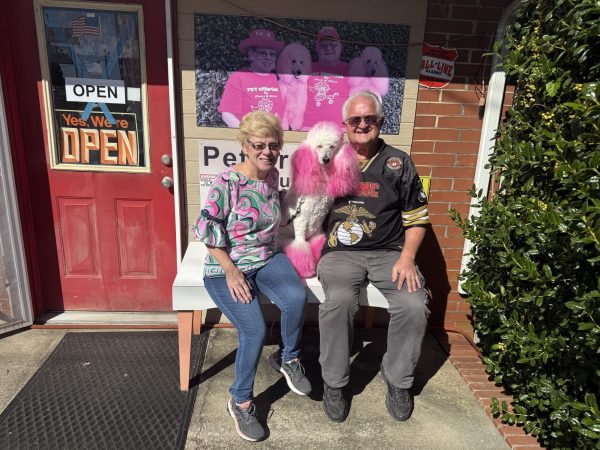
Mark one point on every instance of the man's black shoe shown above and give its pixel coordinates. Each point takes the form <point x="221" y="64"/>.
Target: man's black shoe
<point x="398" y="401"/>
<point x="335" y="404"/>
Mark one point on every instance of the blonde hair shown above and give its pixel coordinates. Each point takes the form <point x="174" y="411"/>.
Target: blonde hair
<point x="259" y="123"/>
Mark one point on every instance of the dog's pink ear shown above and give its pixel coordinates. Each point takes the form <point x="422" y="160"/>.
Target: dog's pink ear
<point x="305" y="171"/>
<point x="344" y="174"/>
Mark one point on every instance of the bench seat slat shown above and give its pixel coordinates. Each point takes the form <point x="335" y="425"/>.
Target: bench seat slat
<point x="189" y="293"/>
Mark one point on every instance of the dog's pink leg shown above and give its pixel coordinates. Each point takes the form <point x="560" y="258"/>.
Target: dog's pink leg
<point x="299" y="253"/>
<point x="316" y="244"/>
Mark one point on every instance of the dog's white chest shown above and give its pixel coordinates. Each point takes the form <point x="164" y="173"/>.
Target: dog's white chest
<point x="315" y="209"/>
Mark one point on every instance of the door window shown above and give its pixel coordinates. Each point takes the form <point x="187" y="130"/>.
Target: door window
<point x="93" y="67"/>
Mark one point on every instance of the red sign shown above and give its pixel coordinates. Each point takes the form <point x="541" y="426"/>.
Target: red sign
<point x="437" y="66"/>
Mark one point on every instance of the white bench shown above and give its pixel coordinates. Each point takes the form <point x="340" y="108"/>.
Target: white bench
<point x="190" y="297"/>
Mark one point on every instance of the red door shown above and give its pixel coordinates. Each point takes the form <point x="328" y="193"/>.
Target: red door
<point x="96" y="129"/>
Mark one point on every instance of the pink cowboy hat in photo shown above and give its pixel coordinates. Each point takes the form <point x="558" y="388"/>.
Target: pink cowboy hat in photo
<point x="328" y="33"/>
<point x="261" y="38"/>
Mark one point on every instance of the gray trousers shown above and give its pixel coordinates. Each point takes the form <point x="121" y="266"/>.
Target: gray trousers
<point x="342" y="273"/>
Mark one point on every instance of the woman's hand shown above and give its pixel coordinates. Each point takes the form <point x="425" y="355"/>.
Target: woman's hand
<point x="239" y="287"/>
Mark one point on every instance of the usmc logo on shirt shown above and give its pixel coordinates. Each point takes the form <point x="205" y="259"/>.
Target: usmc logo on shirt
<point x="394" y="163"/>
<point x="351" y="230"/>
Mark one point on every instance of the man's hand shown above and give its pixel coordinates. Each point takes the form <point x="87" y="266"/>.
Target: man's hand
<point x="405" y="270"/>
<point x="239" y="287"/>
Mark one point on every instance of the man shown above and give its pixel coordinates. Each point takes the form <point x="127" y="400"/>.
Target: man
<point x="374" y="235"/>
<point x="327" y="87"/>
<point x="254" y="87"/>
<point x="329" y="50"/>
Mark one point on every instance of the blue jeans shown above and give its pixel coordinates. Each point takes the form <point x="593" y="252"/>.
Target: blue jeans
<point x="278" y="281"/>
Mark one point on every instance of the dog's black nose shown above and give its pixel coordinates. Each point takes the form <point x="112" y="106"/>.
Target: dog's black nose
<point x="326" y="160"/>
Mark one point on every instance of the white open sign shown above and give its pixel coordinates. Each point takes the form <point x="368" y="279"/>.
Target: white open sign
<point x="95" y="90"/>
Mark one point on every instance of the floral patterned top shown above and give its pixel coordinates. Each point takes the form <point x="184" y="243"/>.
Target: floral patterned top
<point x="242" y="216"/>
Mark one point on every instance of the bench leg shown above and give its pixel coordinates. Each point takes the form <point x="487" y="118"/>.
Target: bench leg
<point x="184" y="327"/>
<point x="369" y="313"/>
<point x="197" y="323"/>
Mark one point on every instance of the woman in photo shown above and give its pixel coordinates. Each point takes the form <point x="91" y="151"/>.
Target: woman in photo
<point x="239" y="224"/>
<point x="254" y="87"/>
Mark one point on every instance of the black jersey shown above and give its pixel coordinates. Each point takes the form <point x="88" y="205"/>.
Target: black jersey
<point x="390" y="198"/>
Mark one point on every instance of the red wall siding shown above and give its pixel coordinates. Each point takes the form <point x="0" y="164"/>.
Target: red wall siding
<point x="446" y="141"/>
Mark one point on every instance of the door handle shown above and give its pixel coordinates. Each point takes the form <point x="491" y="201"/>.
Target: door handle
<point x="167" y="182"/>
<point x="166" y="160"/>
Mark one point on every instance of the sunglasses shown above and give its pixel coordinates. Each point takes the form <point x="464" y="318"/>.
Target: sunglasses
<point x="259" y="147"/>
<point x="328" y="44"/>
<point x="355" y="121"/>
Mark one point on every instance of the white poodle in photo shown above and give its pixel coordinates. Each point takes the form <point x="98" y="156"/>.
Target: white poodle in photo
<point x="322" y="169"/>
<point x="293" y="69"/>
<point x="368" y="72"/>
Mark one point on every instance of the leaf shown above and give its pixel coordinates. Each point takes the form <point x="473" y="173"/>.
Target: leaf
<point x="552" y="87"/>
<point x="590" y="91"/>
<point x="590" y="400"/>
<point x="591" y="424"/>
<point x="575" y="306"/>
<point x="588" y="433"/>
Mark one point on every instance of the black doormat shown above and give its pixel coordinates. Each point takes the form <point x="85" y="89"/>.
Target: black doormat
<point x="105" y="390"/>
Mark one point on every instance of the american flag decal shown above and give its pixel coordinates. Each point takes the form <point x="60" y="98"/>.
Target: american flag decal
<point x="86" y="26"/>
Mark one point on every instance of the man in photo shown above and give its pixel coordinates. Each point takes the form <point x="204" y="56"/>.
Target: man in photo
<point x="329" y="49"/>
<point x="327" y="87"/>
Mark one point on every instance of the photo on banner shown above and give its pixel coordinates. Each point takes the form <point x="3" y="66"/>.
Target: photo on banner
<point x="301" y="70"/>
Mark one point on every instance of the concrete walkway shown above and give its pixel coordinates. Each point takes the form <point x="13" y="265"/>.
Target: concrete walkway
<point x="447" y="415"/>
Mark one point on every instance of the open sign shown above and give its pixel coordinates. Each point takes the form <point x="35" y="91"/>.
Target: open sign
<point x="94" y="90"/>
<point x="96" y="142"/>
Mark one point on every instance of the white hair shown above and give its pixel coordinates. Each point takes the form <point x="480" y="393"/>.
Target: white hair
<point x="364" y="94"/>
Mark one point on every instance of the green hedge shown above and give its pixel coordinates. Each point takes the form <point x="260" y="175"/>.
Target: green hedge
<point x="533" y="280"/>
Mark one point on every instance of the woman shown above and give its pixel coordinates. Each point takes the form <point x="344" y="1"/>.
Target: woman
<point x="256" y="86"/>
<point x="239" y="226"/>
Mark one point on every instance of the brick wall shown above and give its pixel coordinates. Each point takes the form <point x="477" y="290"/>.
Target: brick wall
<point x="446" y="141"/>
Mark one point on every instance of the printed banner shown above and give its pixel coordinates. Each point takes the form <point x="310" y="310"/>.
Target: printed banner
<point x="300" y="70"/>
<point x="216" y="155"/>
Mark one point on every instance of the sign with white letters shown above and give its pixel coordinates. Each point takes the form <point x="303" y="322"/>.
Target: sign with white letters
<point x="217" y="155"/>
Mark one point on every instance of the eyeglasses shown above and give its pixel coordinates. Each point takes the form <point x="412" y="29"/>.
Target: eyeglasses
<point x="266" y="54"/>
<point x="328" y="44"/>
<point x="259" y="147"/>
<point x="355" y="121"/>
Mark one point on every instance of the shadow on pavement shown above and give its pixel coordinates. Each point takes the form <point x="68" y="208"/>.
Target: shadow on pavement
<point x="367" y="352"/>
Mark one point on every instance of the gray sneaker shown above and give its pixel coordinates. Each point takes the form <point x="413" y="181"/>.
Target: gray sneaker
<point x="246" y="423"/>
<point x="335" y="404"/>
<point x="398" y="401"/>
<point x="293" y="372"/>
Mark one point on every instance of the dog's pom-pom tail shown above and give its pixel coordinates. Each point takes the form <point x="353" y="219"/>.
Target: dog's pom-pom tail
<point x="301" y="257"/>
<point x="316" y="245"/>
<point x="344" y="174"/>
<point x="305" y="171"/>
